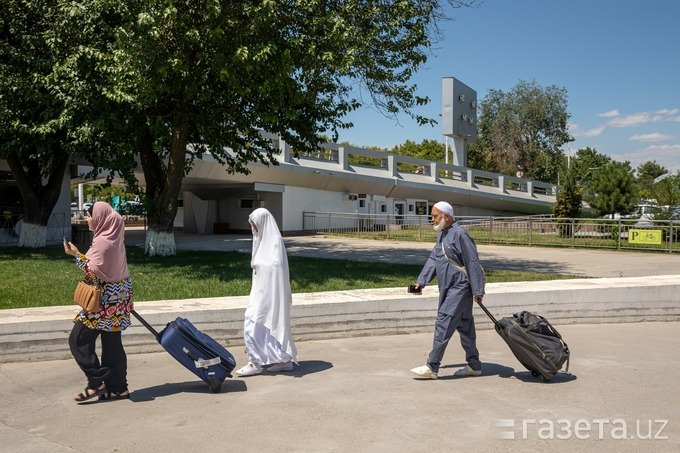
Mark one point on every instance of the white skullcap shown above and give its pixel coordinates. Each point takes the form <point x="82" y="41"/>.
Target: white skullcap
<point x="444" y="207"/>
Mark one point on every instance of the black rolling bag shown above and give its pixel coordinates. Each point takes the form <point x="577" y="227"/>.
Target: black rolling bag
<point x="198" y="352"/>
<point x="534" y="342"/>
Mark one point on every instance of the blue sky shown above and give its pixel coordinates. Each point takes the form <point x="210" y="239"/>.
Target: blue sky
<point x="619" y="61"/>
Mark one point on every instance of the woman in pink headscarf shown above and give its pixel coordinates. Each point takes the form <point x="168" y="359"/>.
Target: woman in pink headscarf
<point x="105" y="266"/>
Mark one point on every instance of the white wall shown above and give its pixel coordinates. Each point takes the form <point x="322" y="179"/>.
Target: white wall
<point x="200" y="216"/>
<point x="39" y="333"/>
<point x="237" y="217"/>
<point x="297" y="200"/>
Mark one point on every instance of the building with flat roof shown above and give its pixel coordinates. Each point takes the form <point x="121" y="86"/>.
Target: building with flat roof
<point x="342" y="179"/>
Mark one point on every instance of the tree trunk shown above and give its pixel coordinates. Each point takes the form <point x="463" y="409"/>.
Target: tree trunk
<point x="39" y="199"/>
<point x="163" y="184"/>
<point x="32" y="235"/>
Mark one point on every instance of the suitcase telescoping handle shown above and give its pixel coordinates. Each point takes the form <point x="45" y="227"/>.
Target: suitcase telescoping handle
<point x="488" y="313"/>
<point x="146" y="324"/>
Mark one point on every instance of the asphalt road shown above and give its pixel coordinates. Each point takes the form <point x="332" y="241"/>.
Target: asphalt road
<point x="572" y="261"/>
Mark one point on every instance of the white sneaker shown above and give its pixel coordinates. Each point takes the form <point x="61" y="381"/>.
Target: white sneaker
<point x="249" y="370"/>
<point x="467" y="371"/>
<point x="424" y="371"/>
<point x="288" y="366"/>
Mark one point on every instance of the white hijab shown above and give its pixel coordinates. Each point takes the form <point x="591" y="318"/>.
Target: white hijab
<point x="270" y="294"/>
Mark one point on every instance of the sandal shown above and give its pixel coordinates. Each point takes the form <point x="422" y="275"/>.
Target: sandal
<point x="86" y="395"/>
<point x="111" y="396"/>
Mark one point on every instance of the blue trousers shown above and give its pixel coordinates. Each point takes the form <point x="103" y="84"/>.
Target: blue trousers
<point x="444" y="328"/>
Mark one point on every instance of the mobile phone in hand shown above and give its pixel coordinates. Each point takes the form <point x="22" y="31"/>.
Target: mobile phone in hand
<point x="66" y="244"/>
<point x="415" y="289"/>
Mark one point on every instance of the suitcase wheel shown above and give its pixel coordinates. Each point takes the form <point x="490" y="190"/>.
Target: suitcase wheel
<point x="215" y="385"/>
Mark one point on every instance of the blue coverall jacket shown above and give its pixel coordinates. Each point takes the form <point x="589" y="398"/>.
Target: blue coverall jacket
<point x="455" y="289"/>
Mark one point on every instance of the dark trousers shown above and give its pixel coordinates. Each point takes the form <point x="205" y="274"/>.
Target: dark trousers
<point x="444" y="328"/>
<point x="112" y="370"/>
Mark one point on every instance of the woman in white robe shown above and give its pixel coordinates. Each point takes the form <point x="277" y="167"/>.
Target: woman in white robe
<point x="266" y="329"/>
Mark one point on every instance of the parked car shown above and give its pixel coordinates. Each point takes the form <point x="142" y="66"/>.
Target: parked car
<point x="132" y="208"/>
<point x="645" y="221"/>
<point x="675" y="215"/>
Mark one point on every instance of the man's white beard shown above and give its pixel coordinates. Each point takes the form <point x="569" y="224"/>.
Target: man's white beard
<point x="440" y="226"/>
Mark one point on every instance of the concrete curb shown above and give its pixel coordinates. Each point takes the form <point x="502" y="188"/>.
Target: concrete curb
<point x="36" y="334"/>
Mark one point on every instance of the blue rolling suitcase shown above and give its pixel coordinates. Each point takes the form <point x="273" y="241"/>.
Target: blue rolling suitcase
<point x="198" y="352"/>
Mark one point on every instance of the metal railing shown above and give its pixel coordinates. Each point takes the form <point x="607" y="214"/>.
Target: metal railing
<point x="58" y="226"/>
<point x="660" y="235"/>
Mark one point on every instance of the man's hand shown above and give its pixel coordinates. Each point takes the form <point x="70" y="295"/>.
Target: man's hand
<point x="478" y="298"/>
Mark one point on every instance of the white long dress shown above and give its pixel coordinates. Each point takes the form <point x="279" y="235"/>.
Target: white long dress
<point x="266" y="329"/>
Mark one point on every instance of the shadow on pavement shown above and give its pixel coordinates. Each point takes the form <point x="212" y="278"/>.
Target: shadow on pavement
<point x="302" y="369"/>
<point x="306" y="367"/>
<point x="494" y="369"/>
<point x="158" y="391"/>
<point x="526" y="376"/>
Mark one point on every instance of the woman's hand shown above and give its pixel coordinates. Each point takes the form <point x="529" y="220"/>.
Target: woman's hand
<point x="70" y="249"/>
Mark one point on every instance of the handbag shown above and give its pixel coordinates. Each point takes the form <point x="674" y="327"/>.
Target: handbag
<point x="89" y="297"/>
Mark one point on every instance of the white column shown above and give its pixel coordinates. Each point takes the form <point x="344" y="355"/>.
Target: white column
<point x="459" y="152"/>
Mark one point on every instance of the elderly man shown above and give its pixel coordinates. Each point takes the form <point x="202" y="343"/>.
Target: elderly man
<point x="455" y="262"/>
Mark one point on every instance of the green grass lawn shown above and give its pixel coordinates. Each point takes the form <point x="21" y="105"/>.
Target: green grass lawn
<point x="47" y="276"/>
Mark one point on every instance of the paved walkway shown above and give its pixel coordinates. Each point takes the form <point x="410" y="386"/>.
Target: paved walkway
<point x="583" y="262"/>
<point x="357" y="394"/>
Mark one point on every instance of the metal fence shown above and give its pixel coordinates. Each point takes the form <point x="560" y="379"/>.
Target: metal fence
<point x="58" y="226"/>
<point x="623" y="234"/>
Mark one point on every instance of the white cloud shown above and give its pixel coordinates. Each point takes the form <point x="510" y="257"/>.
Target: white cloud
<point x="636" y="119"/>
<point x="667" y="156"/>
<point x="655" y="137"/>
<point x="667" y="149"/>
<point x="631" y="120"/>
<point x="609" y="114"/>
<point x="577" y="131"/>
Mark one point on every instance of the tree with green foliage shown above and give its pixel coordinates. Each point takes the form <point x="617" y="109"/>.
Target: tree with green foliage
<point x="586" y="163"/>
<point x="613" y="189"/>
<point x="164" y="83"/>
<point x="568" y="203"/>
<point x="666" y="192"/>
<point x="646" y="174"/>
<point x="526" y="127"/>
<point x="431" y="150"/>
<point x="569" y="197"/>
<point x="35" y="123"/>
<point x="196" y="77"/>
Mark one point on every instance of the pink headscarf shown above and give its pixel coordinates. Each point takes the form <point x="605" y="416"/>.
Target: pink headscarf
<point x="107" y="255"/>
